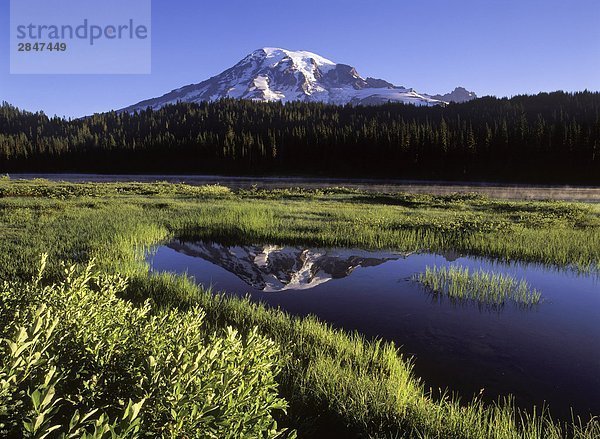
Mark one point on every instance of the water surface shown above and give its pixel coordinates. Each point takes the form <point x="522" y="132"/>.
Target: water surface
<point x="550" y="352"/>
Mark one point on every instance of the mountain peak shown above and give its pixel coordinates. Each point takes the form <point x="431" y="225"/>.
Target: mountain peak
<point x="277" y="74"/>
<point x="458" y="95"/>
<point x="278" y="51"/>
<point x="269" y="50"/>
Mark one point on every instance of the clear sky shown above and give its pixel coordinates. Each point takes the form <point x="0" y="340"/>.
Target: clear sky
<point x="497" y="47"/>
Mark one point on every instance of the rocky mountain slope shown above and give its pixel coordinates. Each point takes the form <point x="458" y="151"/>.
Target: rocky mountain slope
<point x="274" y="74"/>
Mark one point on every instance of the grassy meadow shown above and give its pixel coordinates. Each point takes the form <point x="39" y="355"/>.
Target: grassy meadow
<point x="110" y="350"/>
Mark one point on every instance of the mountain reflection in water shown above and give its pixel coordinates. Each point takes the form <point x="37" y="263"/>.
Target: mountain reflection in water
<point x="274" y="268"/>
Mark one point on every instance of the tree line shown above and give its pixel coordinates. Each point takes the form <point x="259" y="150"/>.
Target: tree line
<point x="548" y="137"/>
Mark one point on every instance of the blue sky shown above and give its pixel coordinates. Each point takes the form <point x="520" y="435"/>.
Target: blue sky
<point x="497" y="47"/>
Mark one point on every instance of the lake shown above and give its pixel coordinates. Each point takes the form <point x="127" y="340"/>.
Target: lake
<point x="549" y="352"/>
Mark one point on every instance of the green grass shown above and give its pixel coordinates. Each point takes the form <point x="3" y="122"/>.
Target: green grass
<point x="334" y="383"/>
<point x="494" y="289"/>
<point x="556" y="233"/>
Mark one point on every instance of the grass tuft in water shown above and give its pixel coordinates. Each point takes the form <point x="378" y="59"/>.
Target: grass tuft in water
<point x="494" y="289"/>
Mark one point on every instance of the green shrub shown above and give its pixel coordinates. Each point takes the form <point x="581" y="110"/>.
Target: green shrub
<point x="78" y="361"/>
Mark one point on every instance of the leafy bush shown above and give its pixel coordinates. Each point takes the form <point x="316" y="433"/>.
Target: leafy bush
<point x="78" y="361"/>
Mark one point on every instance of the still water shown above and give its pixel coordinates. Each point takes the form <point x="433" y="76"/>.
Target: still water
<point x="550" y="352"/>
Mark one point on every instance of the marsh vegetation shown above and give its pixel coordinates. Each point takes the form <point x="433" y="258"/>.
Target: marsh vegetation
<point x="487" y="288"/>
<point x="118" y="330"/>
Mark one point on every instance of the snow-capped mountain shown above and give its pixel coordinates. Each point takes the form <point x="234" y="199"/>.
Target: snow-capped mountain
<point x="273" y="268"/>
<point x="273" y="74"/>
